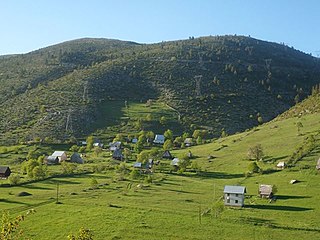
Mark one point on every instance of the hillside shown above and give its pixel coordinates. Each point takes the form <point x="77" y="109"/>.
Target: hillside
<point x="171" y="205"/>
<point x="308" y="106"/>
<point x="59" y="91"/>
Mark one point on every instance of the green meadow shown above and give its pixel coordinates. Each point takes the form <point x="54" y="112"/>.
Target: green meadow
<point x="181" y="206"/>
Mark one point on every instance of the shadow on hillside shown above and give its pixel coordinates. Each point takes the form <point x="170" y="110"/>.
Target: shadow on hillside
<point x="279" y="208"/>
<point x="182" y="191"/>
<point x="255" y="221"/>
<point x="55" y="181"/>
<point x="11" y="201"/>
<point x="273" y="159"/>
<point x="30" y="186"/>
<point x="219" y="175"/>
<point x="285" y="197"/>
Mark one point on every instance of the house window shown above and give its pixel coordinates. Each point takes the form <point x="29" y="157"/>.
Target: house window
<point x="228" y="200"/>
<point x="236" y="201"/>
<point x="237" y="195"/>
<point x="228" y="194"/>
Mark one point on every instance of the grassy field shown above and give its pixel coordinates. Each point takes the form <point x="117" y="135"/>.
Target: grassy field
<point x="177" y="206"/>
<point x="120" y="116"/>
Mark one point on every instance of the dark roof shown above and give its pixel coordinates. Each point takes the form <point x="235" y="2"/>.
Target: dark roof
<point x="234" y="189"/>
<point x="4" y="169"/>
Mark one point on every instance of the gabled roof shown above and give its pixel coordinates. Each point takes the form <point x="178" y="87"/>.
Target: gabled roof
<point x="58" y="153"/>
<point x="4" y="169"/>
<point x="234" y="189"/>
<point x="167" y="154"/>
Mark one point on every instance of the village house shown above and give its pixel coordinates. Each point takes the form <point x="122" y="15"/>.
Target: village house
<point x="76" y="158"/>
<point x="234" y="195"/>
<point x="117" y="154"/>
<point x="167" y="155"/>
<point x="4" y="172"/>
<point x="62" y="156"/>
<point x="281" y="165"/>
<point x="159" y="139"/>
<point x="265" y="191"/>
<point x="188" y="142"/>
<point x="114" y="146"/>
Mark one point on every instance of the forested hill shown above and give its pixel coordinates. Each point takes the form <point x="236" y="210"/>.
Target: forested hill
<point x="219" y="82"/>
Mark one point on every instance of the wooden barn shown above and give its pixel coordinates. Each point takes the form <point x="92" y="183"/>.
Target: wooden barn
<point x="234" y="195"/>
<point x="76" y="158"/>
<point x="4" y="172"/>
<point x="51" y="160"/>
<point x="265" y="191"/>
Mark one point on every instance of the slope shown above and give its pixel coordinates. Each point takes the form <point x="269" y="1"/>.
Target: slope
<point x="223" y="82"/>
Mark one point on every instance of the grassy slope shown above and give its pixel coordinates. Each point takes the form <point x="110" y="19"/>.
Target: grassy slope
<point x="168" y="208"/>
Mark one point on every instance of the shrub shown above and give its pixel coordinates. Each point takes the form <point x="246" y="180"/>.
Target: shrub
<point x="14" y="179"/>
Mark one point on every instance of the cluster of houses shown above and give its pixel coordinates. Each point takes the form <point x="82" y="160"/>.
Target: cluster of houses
<point x="61" y="156"/>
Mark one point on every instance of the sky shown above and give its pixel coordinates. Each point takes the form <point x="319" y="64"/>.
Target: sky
<point x="28" y="25"/>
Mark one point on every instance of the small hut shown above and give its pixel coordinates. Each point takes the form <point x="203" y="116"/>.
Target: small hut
<point x="117" y="154"/>
<point x="265" y="191"/>
<point x="167" y="155"/>
<point x="318" y="164"/>
<point x="4" y="172"/>
<point x="76" y="158"/>
<point x="281" y="165"/>
<point x="188" y="142"/>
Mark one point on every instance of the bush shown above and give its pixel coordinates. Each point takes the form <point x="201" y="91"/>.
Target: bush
<point x="253" y="167"/>
<point x="14" y="179"/>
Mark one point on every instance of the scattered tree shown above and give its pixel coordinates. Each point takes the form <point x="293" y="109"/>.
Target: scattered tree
<point x="84" y="234"/>
<point x="255" y="152"/>
<point x="253" y="167"/>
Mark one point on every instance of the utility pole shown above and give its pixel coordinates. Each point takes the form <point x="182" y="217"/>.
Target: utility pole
<point x="198" y="79"/>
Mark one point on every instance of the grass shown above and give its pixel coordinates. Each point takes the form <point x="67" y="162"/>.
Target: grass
<point x="168" y="208"/>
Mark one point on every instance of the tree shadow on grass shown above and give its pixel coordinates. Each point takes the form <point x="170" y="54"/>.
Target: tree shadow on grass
<point x="273" y="159"/>
<point x="55" y="181"/>
<point x="285" y="197"/>
<point x="182" y="191"/>
<point x="12" y="201"/>
<point x="30" y="186"/>
<point x="219" y="175"/>
<point x="279" y="208"/>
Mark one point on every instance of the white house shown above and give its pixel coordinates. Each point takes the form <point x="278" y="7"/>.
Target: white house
<point x="159" y="139"/>
<point x="62" y="156"/>
<point x="281" y="165"/>
<point x="188" y="142"/>
<point x="175" y="162"/>
<point x="234" y="195"/>
<point x="114" y="146"/>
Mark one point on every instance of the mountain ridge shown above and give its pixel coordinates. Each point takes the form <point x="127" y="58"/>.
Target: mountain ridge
<point x="242" y="79"/>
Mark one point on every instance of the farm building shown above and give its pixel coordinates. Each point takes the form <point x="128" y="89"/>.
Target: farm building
<point x="117" y="154"/>
<point x="318" y="164"/>
<point x="281" y="165"/>
<point x="4" y="172"/>
<point x="188" y="142"/>
<point x="137" y="165"/>
<point x="167" y="155"/>
<point x="76" y="158"/>
<point x="265" y="191"/>
<point x="159" y="139"/>
<point x="234" y="195"/>
<point x="114" y="146"/>
<point x="51" y="160"/>
<point x="62" y="156"/>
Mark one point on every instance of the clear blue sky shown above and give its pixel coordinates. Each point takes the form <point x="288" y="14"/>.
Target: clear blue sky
<point x="28" y="25"/>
